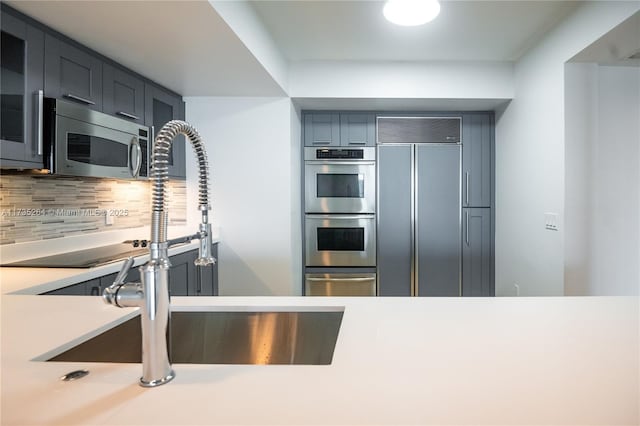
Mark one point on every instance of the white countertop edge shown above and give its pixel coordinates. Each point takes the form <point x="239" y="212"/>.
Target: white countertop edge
<point x="34" y="281"/>
<point x="33" y="249"/>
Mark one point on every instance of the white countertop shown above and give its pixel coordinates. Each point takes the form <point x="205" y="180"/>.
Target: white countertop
<point x="397" y="361"/>
<point x="41" y="280"/>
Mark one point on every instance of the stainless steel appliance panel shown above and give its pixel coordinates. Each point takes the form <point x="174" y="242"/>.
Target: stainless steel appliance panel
<point x="340" y="187"/>
<point x="337" y="284"/>
<point x="83" y="149"/>
<point x="340" y="240"/>
<point x="83" y="142"/>
<point x="418" y="129"/>
<point x="438" y="228"/>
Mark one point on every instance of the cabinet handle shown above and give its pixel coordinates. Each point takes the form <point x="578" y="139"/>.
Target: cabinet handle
<point x="127" y="115"/>
<point x="466" y="197"/>
<point x="199" y="279"/>
<point x="466" y="234"/>
<point x="79" y="99"/>
<point x="39" y="95"/>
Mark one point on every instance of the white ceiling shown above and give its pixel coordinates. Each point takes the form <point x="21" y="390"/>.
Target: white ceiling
<point x="188" y="47"/>
<point x="183" y="45"/>
<point x="356" y="30"/>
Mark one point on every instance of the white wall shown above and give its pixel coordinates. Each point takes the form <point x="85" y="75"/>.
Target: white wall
<point x="603" y="166"/>
<point x="580" y="129"/>
<point x="615" y="168"/>
<point x="397" y="80"/>
<point x="255" y="188"/>
<point x="530" y="155"/>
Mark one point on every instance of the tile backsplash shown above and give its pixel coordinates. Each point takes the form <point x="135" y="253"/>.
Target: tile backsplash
<point x="45" y="207"/>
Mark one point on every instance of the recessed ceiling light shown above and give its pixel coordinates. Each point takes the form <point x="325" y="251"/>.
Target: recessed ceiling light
<point x="411" y="12"/>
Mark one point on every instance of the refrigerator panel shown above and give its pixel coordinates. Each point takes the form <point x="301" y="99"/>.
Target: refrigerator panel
<point x="395" y="220"/>
<point x="438" y="224"/>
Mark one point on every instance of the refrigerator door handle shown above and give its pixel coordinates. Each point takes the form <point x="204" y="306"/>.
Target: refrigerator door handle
<point x="466" y="234"/>
<point x="466" y="196"/>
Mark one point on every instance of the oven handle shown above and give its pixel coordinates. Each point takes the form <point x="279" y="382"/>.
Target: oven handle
<point x="340" y="163"/>
<point x="359" y="279"/>
<point x="349" y="217"/>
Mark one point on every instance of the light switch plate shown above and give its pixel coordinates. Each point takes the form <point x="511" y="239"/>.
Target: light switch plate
<point x="551" y="221"/>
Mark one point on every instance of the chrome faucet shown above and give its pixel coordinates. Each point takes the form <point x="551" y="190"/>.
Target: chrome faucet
<point x="151" y="295"/>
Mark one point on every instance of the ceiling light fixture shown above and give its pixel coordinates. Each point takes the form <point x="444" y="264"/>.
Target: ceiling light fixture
<point x="411" y="12"/>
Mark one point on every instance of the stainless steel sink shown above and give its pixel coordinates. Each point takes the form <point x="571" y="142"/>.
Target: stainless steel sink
<point x="220" y="337"/>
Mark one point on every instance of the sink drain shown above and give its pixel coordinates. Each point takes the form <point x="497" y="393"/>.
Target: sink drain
<point x="74" y="375"/>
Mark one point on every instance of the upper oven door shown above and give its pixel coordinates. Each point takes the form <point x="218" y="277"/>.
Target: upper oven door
<point x="340" y="187"/>
<point x="84" y="149"/>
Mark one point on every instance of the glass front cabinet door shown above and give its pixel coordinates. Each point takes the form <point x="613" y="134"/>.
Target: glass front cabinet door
<point x="21" y="85"/>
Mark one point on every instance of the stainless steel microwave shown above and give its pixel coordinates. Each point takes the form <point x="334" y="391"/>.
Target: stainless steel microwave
<point x="83" y="142"/>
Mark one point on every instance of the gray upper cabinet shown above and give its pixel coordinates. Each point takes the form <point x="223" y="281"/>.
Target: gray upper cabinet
<point x="477" y="253"/>
<point x="477" y="160"/>
<point x="161" y="107"/>
<point x="321" y="129"/>
<point x="72" y="73"/>
<point x="123" y="94"/>
<point x="357" y="130"/>
<point x="339" y="129"/>
<point x="21" y="77"/>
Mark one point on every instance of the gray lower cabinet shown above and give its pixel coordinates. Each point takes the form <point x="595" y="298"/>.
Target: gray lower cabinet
<point x="477" y="253"/>
<point x="123" y="94"/>
<point x="72" y="74"/>
<point x="79" y="289"/>
<point x="185" y="279"/>
<point x="419" y="220"/>
<point x="161" y="107"/>
<point x="477" y="159"/>
<point x="21" y="74"/>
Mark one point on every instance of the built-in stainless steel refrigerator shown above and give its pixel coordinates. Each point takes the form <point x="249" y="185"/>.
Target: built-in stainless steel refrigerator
<point x="419" y="207"/>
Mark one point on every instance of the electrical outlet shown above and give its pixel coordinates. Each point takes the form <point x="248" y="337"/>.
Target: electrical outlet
<point x="109" y="219"/>
<point x="551" y="221"/>
<point x="517" y="287"/>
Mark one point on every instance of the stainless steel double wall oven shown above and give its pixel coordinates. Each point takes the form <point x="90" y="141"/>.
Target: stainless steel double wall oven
<point x="340" y="224"/>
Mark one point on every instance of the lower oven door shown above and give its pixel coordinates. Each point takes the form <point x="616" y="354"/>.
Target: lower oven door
<point x="336" y="284"/>
<point x="340" y="240"/>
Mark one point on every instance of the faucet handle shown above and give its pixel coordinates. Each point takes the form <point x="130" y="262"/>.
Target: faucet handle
<point x="122" y="275"/>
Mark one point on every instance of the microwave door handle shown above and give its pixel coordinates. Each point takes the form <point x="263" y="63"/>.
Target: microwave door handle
<point x="134" y="143"/>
